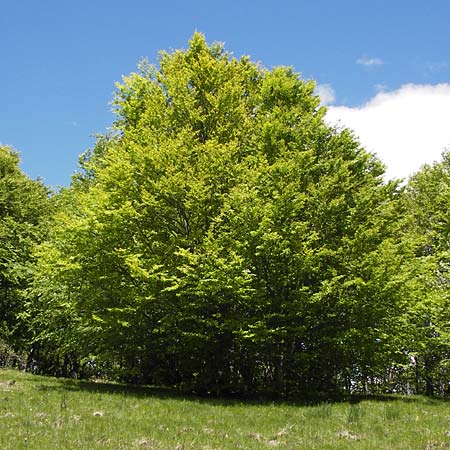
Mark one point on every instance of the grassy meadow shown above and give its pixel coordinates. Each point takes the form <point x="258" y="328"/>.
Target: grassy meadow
<point x="48" y="413"/>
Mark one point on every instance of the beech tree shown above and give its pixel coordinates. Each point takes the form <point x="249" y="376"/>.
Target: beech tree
<point x="225" y="239"/>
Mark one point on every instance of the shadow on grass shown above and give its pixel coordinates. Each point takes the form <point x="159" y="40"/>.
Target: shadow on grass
<point x="142" y="391"/>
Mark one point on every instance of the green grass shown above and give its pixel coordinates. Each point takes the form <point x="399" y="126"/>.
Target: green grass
<point x="48" y="413"/>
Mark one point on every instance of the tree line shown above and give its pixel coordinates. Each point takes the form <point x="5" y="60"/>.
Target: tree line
<point x="222" y="238"/>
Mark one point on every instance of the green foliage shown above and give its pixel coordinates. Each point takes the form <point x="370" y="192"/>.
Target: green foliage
<point x="225" y="239"/>
<point x="23" y="207"/>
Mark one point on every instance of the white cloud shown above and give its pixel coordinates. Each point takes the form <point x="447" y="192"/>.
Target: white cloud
<point x="406" y="128"/>
<point x="326" y="94"/>
<point x="370" y="62"/>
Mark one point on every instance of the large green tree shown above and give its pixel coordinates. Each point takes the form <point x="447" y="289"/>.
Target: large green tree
<point x="224" y="238"/>
<point x="23" y="207"/>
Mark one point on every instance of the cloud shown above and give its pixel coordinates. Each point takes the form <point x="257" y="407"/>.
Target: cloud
<point x="436" y="67"/>
<point x="370" y="62"/>
<point x="326" y="94"/>
<point x="406" y="128"/>
<point x="381" y="87"/>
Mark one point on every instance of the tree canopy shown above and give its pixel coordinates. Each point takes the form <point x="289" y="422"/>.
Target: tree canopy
<point x="223" y="238"/>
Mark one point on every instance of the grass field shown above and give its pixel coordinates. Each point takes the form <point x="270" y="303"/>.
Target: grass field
<point x="48" y="413"/>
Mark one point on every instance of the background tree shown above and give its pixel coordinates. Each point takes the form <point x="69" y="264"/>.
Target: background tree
<point x="225" y="239"/>
<point x="24" y="206"/>
<point x="428" y="195"/>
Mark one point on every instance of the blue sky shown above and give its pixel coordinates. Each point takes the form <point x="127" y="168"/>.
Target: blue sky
<point x="378" y="64"/>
